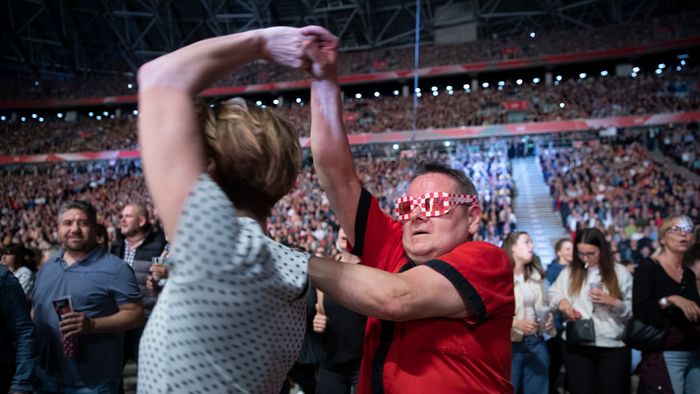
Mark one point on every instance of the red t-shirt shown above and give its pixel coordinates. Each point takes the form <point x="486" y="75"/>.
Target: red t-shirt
<point x="437" y="355"/>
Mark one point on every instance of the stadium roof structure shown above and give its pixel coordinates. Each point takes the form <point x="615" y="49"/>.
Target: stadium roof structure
<point x="116" y="36"/>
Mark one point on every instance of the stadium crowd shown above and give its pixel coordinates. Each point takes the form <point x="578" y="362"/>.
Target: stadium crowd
<point x="591" y="97"/>
<point x="521" y="45"/>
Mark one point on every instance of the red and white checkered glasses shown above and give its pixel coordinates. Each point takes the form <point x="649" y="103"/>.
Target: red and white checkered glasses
<point x="431" y="204"/>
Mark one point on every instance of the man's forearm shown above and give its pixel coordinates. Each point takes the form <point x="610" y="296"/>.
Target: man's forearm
<point x="126" y="318"/>
<point x="365" y="290"/>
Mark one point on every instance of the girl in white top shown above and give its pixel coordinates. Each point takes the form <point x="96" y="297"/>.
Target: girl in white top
<point x="594" y="287"/>
<point x="14" y="258"/>
<point x="530" y="369"/>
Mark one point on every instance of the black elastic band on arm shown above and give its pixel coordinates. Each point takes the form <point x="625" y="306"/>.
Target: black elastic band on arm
<point x="361" y="222"/>
<point x="465" y="289"/>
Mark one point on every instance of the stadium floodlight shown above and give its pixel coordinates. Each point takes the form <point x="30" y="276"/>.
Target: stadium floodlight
<point x="519" y="81"/>
<point x="562" y="105"/>
<point x="679" y="68"/>
<point x="135" y="112"/>
<point x="23" y="119"/>
<point x="36" y="83"/>
<point x="3" y="118"/>
<point x="582" y="75"/>
<point x="658" y="71"/>
<point x="485" y="85"/>
<point x="258" y="103"/>
<point x="34" y="116"/>
<point x="604" y="73"/>
<point x="434" y="88"/>
<point x="298" y="100"/>
<point x="41" y="120"/>
<point x="559" y="78"/>
<point x="396" y="92"/>
<point x="535" y="80"/>
<point x="466" y="86"/>
<point x="635" y="69"/>
<point x="662" y="66"/>
<point x="501" y="83"/>
<point x="111" y="116"/>
<point x="450" y="92"/>
<point x="395" y="146"/>
<point x="105" y="113"/>
<point x="129" y="86"/>
<point x="59" y="115"/>
<point x="98" y="117"/>
<point x="376" y="94"/>
<point x="682" y="62"/>
<point x="633" y="75"/>
<point x="90" y="114"/>
<point x="532" y="34"/>
<point x="417" y="90"/>
<point x="275" y="102"/>
<point x="447" y="144"/>
<point x="500" y="88"/>
<point x="419" y="94"/>
<point x="358" y="96"/>
<point x="435" y="93"/>
<point x="449" y="87"/>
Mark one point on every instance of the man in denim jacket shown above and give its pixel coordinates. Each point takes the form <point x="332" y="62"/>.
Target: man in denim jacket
<point x="17" y="351"/>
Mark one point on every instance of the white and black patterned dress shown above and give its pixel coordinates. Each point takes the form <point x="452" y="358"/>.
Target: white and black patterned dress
<point x="231" y="318"/>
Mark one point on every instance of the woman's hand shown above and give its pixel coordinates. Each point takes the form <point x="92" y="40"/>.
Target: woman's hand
<point x="527" y="327"/>
<point x="598" y="296"/>
<point x="568" y="311"/>
<point x="690" y="309"/>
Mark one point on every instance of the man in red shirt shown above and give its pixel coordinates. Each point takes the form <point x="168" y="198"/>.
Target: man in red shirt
<point x="440" y="305"/>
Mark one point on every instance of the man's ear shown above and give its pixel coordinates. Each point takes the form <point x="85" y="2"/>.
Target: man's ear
<point x="474" y="215"/>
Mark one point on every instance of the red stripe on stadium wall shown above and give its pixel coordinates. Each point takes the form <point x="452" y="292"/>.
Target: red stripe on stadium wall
<point x="453" y="133"/>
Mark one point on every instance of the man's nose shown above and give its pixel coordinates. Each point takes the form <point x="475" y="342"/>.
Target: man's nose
<point x="416" y="213"/>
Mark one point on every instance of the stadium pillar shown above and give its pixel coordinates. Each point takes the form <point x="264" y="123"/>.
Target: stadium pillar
<point x="475" y="84"/>
<point x="548" y="78"/>
<point x="280" y="99"/>
<point x="404" y="91"/>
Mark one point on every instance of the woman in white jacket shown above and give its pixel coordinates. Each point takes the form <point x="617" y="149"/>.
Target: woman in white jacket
<point x="594" y="287"/>
<point x="530" y="369"/>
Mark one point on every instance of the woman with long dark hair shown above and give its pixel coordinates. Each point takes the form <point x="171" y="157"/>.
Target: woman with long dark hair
<point x="17" y="259"/>
<point x="530" y="369"/>
<point x="594" y="287"/>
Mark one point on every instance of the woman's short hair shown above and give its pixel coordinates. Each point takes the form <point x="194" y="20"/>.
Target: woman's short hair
<point x="256" y="153"/>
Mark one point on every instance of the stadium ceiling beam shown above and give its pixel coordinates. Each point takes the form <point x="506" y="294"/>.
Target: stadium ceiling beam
<point x="396" y="11"/>
<point x="122" y="43"/>
<point x="211" y="22"/>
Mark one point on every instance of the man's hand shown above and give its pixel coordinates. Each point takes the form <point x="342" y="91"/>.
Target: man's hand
<point x="284" y="46"/>
<point x="320" y="319"/>
<point x="321" y="48"/>
<point x="156" y="273"/>
<point x="75" y="323"/>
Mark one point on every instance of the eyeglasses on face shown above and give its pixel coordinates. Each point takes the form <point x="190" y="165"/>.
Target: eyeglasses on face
<point x="680" y="230"/>
<point x="586" y="255"/>
<point x="431" y="204"/>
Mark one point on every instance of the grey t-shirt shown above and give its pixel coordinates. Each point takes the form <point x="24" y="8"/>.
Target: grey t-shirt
<point x="231" y="318"/>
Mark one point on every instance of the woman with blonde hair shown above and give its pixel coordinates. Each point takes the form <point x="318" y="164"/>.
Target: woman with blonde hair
<point x="666" y="297"/>
<point x="231" y="317"/>
<point x="530" y="368"/>
<point x="595" y="287"/>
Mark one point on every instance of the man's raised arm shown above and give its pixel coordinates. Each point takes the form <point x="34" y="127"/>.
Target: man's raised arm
<point x="329" y="143"/>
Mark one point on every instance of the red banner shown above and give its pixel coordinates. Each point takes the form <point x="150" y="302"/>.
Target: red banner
<point x="518" y="105"/>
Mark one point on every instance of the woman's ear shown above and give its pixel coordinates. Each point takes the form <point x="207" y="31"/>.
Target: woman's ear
<point x="211" y="169"/>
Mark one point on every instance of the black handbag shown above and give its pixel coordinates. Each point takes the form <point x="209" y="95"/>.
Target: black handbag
<point x="580" y="332"/>
<point x="643" y="336"/>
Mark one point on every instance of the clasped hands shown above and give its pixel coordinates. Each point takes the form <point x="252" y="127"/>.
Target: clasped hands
<point x="311" y="48"/>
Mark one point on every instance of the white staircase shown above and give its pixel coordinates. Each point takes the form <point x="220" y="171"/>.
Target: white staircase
<point x="534" y="208"/>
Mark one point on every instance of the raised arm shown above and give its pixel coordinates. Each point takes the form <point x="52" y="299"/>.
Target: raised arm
<point x="329" y="143"/>
<point x="171" y="142"/>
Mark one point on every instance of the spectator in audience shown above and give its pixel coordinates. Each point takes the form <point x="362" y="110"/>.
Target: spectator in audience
<point x="17" y="350"/>
<point x="15" y="258"/>
<point x="105" y="302"/>
<point x="564" y="249"/>
<point x="530" y="373"/>
<point x="231" y="316"/>
<point x="594" y="287"/>
<point x="666" y="294"/>
<point x="101" y="237"/>
<point x="691" y="259"/>
<point x="341" y="332"/>
<point x="432" y="296"/>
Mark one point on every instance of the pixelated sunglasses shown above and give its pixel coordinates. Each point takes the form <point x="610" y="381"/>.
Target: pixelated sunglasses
<point x="431" y="204"/>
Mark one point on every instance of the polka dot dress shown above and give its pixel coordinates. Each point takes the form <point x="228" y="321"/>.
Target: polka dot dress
<point x="231" y="318"/>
